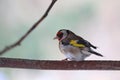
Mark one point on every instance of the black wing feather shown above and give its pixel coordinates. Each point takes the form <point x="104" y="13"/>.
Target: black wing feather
<point x="98" y="54"/>
<point x="86" y="43"/>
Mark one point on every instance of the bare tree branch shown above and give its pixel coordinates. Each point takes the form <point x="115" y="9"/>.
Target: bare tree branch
<point x="29" y="31"/>
<point x="58" y="65"/>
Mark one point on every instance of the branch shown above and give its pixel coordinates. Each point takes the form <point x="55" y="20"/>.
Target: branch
<point x="30" y="30"/>
<point x="59" y="65"/>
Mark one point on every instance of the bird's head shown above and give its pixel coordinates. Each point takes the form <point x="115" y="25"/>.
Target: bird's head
<point x="62" y="34"/>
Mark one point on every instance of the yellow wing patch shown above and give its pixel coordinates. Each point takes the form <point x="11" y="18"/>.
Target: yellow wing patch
<point x="74" y="43"/>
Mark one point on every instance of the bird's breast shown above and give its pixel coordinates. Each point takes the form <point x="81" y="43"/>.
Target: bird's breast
<point x="68" y="49"/>
<point x="72" y="53"/>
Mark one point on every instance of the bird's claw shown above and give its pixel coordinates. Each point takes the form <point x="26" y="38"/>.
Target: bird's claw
<point x="66" y="59"/>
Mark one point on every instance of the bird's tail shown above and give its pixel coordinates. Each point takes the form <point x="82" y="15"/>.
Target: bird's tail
<point x="93" y="46"/>
<point x="98" y="54"/>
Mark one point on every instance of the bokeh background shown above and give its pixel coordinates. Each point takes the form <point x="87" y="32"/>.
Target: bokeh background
<point x="98" y="21"/>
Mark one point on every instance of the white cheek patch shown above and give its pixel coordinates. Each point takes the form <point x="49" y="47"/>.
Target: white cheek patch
<point x="64" y="36"/>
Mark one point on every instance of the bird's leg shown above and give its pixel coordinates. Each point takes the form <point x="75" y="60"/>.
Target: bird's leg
<point x="66" y="59"/>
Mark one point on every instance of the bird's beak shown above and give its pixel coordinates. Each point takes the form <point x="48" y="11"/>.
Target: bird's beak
<point x="55" y="38"/>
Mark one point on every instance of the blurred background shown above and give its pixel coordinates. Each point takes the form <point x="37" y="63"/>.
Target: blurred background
<point x="98" y="21"/>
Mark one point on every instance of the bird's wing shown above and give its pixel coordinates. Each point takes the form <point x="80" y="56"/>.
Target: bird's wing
<point x="76" y="44"/>
<point x="81" y="43"/>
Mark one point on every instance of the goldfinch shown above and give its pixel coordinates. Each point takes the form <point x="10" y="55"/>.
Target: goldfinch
<point x="74" y="47"/>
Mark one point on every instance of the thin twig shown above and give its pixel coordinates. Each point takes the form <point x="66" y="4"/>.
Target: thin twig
<point x="58" y="65"/>
<point x="29" y="31"/>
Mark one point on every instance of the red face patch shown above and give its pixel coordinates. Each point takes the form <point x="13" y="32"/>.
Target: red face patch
<point x="59" y="35"/>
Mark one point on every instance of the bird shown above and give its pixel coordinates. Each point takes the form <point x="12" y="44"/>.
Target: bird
<point x="74" y="47"/>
